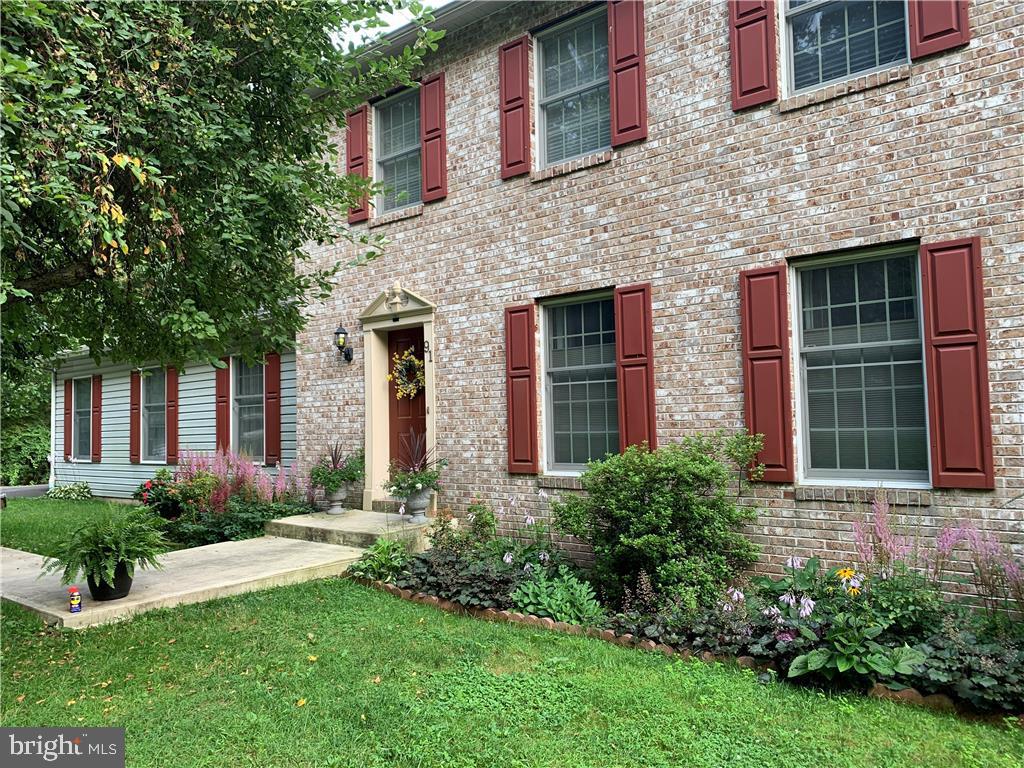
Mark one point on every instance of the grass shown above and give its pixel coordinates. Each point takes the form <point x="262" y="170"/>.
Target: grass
<point x="39" y="525"/>
<point x="329" y="673"/>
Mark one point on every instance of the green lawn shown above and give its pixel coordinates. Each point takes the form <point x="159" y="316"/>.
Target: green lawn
<point x="333" y="674"/>
<point x="39" y="524"/>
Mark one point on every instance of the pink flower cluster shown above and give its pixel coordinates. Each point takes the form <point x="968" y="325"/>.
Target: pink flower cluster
<point x="237" y="475"/>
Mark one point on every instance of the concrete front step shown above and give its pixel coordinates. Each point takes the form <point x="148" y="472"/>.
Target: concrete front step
<point x="355" y="528"/>
<point x="188" y="576"/>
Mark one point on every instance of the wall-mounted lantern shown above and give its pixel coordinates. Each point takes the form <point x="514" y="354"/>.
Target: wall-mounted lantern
<point x="341" y="342"/>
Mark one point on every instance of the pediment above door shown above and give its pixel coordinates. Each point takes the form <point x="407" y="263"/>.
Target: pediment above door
<point x="394" y="304"/>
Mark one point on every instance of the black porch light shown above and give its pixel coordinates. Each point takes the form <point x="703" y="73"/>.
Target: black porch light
<point x="341" y="342"/>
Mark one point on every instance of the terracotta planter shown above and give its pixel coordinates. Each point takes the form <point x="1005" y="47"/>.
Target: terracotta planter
<point x="103" y="591"/>
<point x="416" y="505"/>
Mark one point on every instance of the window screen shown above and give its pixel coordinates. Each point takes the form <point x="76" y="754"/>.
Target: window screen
<point x="863" y="376"/>
<point x="398" y="150"/>
<point x="583" y="418"/>
<point x="574" y="89"/>
<point x="81" y="430"/>
<point x="154" y="416"/>
<point x="835" y="40"/>
<point x="248" y="409"/>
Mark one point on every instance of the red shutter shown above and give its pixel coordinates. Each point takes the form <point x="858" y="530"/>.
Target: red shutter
<point x="634" y="366"/>
<point x="752" y="52"/>
<point x="936" y="25"/>
<point x="433" y="138"/>
<point x="356" y="158"/>
<point x="223" y="405"/>
<point x="172" y="415"/>
<point x="68" y="395"/>
<point x="765" y="331"/>
<point x="521" y="388"/>
<point x="134" y="417"/>
<point x="514" y="106"/>
<point x="97" y="418"/>
<point x="627" y="71"/>
<point x="272" y="410"/>
<point x="957" y="364"/>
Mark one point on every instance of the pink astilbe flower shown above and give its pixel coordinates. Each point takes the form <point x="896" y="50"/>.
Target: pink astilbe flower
<point x="878" y="544"/>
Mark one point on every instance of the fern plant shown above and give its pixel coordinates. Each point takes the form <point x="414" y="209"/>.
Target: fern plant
<point x="562" y="597"/>
<point x="96" y="549"/>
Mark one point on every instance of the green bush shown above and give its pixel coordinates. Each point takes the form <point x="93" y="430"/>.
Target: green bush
<point x="71" y="492"/>
<point x="466" y="577"/>
<point x="24" y="455"/>
<point x="666" y="513"/>
<point x="241" y="519"/>
<point x="384" y="561"/>
<point x="562" y="597"/>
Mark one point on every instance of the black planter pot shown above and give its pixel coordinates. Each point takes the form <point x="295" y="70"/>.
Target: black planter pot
<point x="122" y="585"/>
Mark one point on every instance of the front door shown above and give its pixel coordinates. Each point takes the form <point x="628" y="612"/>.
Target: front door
<point x="405" y="415"/>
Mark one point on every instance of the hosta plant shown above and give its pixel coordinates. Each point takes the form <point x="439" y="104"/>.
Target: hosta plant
<point x="383" y="561"/>
<point x="71" y="492"/>
<point x="562" y="597"/>
<point x="96" y="549"/>
<point x="849" y="645"/>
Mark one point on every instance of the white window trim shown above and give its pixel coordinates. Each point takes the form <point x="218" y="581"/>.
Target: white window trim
<point x="796" y="324"/>
<point x="548" y="447"/>
<point x="538" y="101"/>
<point x="142" y="416"/>
<point x="378" y="159"/>
<point x="74" y="420"/>
<point x="786" y="47"/>
<point x="233" y="421"/>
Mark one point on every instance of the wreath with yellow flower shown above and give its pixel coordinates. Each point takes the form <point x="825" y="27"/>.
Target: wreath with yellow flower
<point x="408" y="374"/>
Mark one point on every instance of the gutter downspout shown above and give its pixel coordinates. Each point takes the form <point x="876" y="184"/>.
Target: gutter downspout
<point x="53" y="428"/>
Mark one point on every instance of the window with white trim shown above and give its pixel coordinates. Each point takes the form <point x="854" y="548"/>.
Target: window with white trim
<point x="581" y="387"/>
<point x="575" y="117"/>
<point x="247" y="409"/>
<point x="154" y="415"/>
<point x="81" y="424"/>
<point x="397" y="150"/>
<point x="861" y="369"/>
<point x="831" y="41"/>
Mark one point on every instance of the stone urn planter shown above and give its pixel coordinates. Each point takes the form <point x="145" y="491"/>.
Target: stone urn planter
<point x="416" y="505"/>
<point x="337" y="499"/>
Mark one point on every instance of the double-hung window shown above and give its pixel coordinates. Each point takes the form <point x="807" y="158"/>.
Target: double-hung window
<point x="581" y="388"/>
<point x="831" y="41"/>
<point x="247" y="409"/>
<point x="81" y="425"/>
<point x="154" y="415"/>
<point x="574" y="102"/>
<point x="398" y="150"/>
<point x="862" y="373"/>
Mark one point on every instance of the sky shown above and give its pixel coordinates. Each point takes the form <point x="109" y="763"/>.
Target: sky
<point x="394" y="21"/>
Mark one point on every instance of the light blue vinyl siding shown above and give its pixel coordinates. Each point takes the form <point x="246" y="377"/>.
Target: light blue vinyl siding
<point x="115" y="475"/>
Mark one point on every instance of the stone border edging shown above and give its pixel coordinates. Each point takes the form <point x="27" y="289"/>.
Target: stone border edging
<point x="937" y="702"/>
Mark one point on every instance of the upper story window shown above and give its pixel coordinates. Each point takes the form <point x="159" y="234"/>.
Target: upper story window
<point x="154" y="416"/>
<point x="397" y="148"/>
<point x="582" y="399"/>
<point x="574" y="102"/>
<point x="81" y="426"/>
<point x="247" y="409"/>
<point x="862" y="373"/>
<point x="830" y="41"/>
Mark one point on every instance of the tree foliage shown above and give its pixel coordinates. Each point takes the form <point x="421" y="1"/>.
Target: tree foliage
<point x="163" y="164"/>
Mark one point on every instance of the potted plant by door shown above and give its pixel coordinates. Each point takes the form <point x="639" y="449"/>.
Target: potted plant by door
<point x="107" y="551"/>
<point x="336" y="474"/>
<point x="416" y="478"/>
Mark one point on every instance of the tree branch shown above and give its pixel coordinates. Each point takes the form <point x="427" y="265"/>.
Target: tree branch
<point x="68" y="276"/>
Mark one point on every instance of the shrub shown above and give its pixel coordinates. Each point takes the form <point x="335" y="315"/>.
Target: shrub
<point x="665" y="513"/>
<point x="24" y="454"/>
<point x="241" y="519"/>
<point x="384" y="561"/>
<point x="562" y="597"/>
<point x="71" y="492"/>
<point x="98" y="547"/>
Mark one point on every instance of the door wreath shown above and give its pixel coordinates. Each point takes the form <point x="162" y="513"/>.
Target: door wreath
<point x="408" y="374"/>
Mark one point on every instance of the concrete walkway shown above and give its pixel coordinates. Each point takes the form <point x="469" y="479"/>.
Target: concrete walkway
<point x="188" y="576"/>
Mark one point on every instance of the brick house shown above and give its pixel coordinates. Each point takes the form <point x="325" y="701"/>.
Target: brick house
<point x="617" y="222"/>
